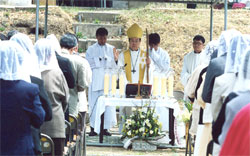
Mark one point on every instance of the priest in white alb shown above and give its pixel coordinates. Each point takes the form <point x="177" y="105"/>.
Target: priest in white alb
<point x="100" y="57"/>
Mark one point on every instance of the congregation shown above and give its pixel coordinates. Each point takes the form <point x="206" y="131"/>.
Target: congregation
<point x="42" y="84"/>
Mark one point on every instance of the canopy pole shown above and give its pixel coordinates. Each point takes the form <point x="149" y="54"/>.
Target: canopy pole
<point x="104" y="3"/>
<point x="225" y="15"/>
<point x="37" y="19"/>
<point x="46" y="20"/>
<point x="211" y="22"/>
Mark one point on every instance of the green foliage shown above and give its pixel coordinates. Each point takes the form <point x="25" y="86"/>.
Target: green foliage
<point x="2" y="28"/>
<point x="142" y="123"/>
<point x="188" y="105"/>
<point x="96" y="21"/>
<point x="6" y="14"/>
<point x="79" y="35"/>
<point x="80" y="50"/>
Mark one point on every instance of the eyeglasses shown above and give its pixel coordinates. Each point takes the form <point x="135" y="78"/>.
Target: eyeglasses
<point x="197" y="43"/>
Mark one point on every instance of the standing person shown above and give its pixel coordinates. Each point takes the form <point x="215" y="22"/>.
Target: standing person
<point x="69" y="44"/>
<point x="134" y="59"/>
<point x="20" y="103"/>
<point x="192" y="59"/>
<point x="64" y="63"/>
<point x="161" y="62"/>
<point x="135" y="62"/>
<point x="35" y="76"/>
<point x="159" y="56"/>
<point x="57" y="89"/>
<point x="100" y="56"/>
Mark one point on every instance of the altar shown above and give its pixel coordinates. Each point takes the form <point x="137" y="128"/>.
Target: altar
<point x="109" y="102"/>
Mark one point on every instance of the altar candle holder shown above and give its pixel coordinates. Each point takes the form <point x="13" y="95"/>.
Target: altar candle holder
<point x="113" y="84"/>
<point x="106" y="83"/>
<point x="163" y="87"/>
<point x="171" y="86"/>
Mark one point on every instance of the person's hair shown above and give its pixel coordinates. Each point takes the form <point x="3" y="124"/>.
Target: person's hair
<point x="68" y="41"/>
<point x="154" y="38"/>
<point x="199" y="38"/>
<point x="3" y="37"/>
<point x="101" y="32"/>
<point x="130" y="39"/>
<point x="12" y="33"/>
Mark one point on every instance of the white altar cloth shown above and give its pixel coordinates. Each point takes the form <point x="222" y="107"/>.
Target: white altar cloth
<point x="104" y="102"/>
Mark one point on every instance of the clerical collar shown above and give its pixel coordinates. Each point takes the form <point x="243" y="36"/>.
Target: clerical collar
<point x="134" y="50"/>
<point x="197" y="52"/>
<point x="101" y="45"/>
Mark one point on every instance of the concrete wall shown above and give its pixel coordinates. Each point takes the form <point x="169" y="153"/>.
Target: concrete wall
<point x="16" y="2"/>
<point x="128" y="4"/>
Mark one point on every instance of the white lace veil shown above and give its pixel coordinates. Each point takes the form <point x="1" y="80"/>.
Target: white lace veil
<point x="224" y="41"/>
<point x="238" y="46"/>
<point x="30" y="56"/>
<point x="46" y="55"/>
<point x="210" y="48"/>
<point x="55" y="43"/>
<point x="12" y="65"/>
<point x="243" y="80"/>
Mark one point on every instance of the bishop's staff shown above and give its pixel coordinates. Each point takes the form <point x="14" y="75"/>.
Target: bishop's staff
<point x="147" y="54"/>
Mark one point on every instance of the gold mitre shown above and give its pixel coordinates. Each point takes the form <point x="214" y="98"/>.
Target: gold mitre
<point x="134" y="31"/>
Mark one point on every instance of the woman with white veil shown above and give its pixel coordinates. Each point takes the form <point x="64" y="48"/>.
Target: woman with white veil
<point x="20" y="103"/>
<point x="31" y="61"/>
<point x="242" y="89"/>
<point x="223" y="90"/>
<point x="30" y="55"/>
<point x="57" y="89"/>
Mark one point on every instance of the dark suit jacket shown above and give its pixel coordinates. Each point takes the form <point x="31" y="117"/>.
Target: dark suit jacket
<point x="20" y="108"/>
<point x="66" y="68"/>
<point x="46" y="104"/>
<point x="215" y="68"/>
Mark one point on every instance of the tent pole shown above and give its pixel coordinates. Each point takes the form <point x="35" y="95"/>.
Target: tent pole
<point x="211" y="22"/>
<point x="37" y="19"/>
<point x="46" y="20"/>
<point x="225" y="15"/>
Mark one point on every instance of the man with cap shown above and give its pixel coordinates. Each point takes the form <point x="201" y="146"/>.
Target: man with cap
<point x="134" y="59"/>
<point x="100" y="56"/>
<point x="80" y="66"/>
<point x="135" y="62"/>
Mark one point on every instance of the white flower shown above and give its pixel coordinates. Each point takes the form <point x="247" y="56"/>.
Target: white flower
<point x="141" y="129"/>
<point x="129" y="132"/>
<point x="142" y="116"/>
<point x="128" y="121"/>
<point x="133" y="109"/>
<point x="151" y="132"/>
<point x="133" y="122"/>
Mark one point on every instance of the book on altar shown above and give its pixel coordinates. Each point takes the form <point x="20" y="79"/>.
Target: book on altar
<point x="132" y="89"/>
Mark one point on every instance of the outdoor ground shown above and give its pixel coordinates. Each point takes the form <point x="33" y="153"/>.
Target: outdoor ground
<point x="176" y="26"/>
<point x="117" y="151"/>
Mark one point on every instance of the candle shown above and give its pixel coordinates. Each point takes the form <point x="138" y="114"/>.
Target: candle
<point x="155" y="86"/>
<point x="171" y="86"/>
<point x="113" y="85"/>
<point x="163" y="86"/>
<point x="121" y="85"/>
<point x="106" y="84"/>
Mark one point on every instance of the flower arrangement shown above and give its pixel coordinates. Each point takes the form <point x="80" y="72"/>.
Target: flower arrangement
<point x="142" y="123"/>
<point x="186" y="113"/>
